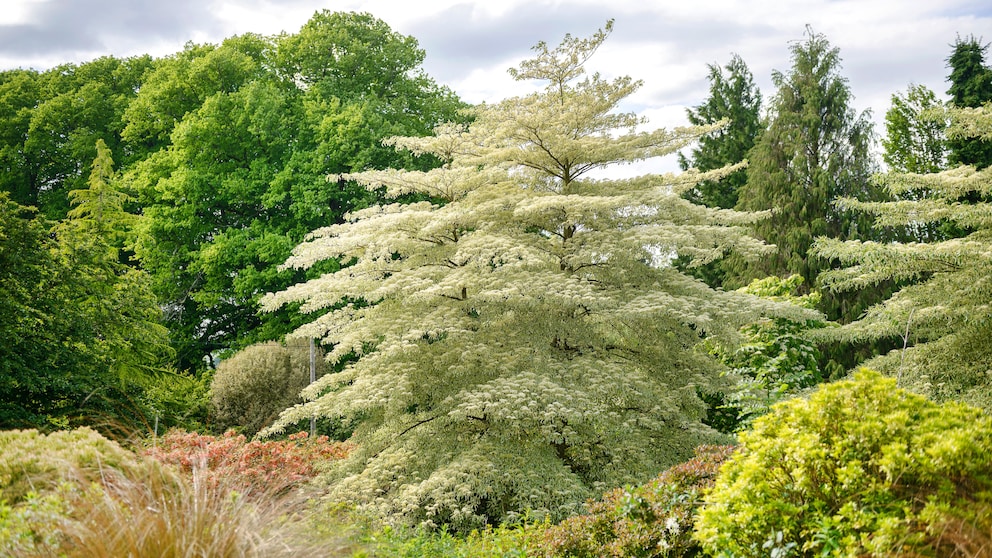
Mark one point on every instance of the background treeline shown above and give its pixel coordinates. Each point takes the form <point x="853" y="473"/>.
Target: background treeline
<point x="204" y="168"/>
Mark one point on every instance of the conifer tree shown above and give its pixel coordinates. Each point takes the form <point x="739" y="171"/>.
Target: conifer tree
<point x="735" y="97"/>
<point x="522" y="341"/>
<point x="971" y="86"/>
<point x="942" y="316"/>
<point x="816" y="149"/>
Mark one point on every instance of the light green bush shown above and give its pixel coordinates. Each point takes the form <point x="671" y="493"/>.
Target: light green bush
<point x="30" y="460"/>
<point x="253" y="386"/>
<point x="861" y="468"/>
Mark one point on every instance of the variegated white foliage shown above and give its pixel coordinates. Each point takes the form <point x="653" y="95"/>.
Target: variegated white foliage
<point x="522" y="341"/>
<point x="944" y="315"/>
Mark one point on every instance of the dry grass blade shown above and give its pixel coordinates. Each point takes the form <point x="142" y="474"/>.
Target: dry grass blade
<point x="158" y="512"/>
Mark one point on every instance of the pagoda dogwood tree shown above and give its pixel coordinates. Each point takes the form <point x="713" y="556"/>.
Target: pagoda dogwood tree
<point x="943" y="314"/>
<point x="521" y="341"/>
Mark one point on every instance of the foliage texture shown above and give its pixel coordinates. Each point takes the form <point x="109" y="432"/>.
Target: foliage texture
<point x="861" y="468"/>
<point x="652" y="520"/>
<point x="89" y="498"/>
<point x="942" y="314"/>
<point x="816" y="148"/>
<point x="523" y="340"/>
<point x="254" y="385"/>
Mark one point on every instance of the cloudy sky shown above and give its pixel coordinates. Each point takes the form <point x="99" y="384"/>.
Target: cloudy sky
<point x="885" y="44"/>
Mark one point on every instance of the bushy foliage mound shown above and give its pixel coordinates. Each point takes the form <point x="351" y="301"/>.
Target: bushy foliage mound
<point x="253" y="386"/>
<point x="32" y="460"/>
<point x="775" y="359"/>
<point x="861" y="468"/>
<point x="255" y="467"/>
<point x="651" y="520"/>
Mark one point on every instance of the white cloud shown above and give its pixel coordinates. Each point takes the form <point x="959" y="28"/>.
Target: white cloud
<point x="884" y="44"/>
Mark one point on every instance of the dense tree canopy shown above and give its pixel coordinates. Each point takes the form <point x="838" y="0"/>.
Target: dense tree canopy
<point x="246" y="132"/>
<point x="81" y="330"/>
<point x="51" y="122"/>
<point x="523" y="338"/>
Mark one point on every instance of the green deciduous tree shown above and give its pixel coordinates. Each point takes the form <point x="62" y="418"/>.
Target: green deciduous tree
<point x="523" y="340"/>
<point x="243" y="136"/>
<point x="776" y="359"/>
<point x="55" y="120"/>
<point x="941" y="316"/>
<point x="915" y="140"/>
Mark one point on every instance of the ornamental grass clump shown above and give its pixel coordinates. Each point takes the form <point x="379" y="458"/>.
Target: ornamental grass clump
<point x="95" y="499"/>
<point x="861" y="468"/>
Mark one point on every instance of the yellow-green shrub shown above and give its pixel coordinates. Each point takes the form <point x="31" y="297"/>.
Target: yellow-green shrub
<point x="860" y="468"/>
<point x="30" y="460"/>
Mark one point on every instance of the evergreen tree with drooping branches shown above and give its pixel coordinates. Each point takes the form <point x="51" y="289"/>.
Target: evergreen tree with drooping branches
<point x="523" y="340"/>
<point x="816" y="149"/>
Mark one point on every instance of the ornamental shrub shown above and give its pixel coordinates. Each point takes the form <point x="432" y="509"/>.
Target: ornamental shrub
<point x="254" y="467"/>
<point x="775" y="359"/>
<point x="30" y="460"/>
<point x="652" y="520"/>
<point x="254" y="385"/>
<point x="861" y="468"/>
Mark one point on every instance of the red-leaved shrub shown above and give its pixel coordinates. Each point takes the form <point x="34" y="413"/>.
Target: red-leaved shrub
<point x="253" y="467"/>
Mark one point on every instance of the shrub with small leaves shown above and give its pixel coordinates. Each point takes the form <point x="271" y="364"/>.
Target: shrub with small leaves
<point x="861" y="468"/>
<point x="652" y="520"/>
<point x="255" y="467"/>
<point x="254" y="385"/>
<point x="776" y="359"/>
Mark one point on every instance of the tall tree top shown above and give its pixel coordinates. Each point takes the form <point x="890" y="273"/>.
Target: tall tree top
<point x="971" y="79"/>
<point x="971" y="86"/>
<point x="733" y="97"/>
